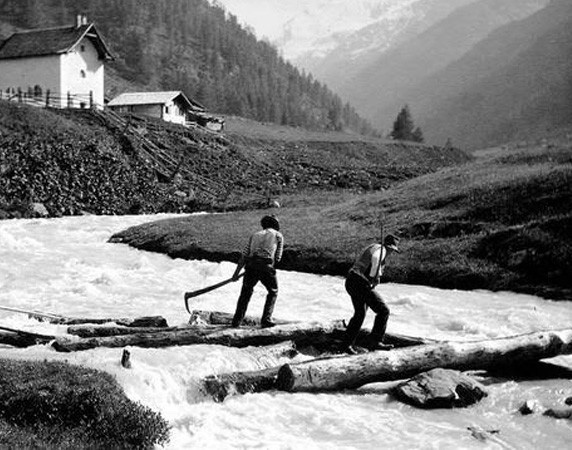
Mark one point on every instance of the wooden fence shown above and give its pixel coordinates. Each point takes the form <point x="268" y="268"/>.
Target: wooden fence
<point x="49" y="99"/>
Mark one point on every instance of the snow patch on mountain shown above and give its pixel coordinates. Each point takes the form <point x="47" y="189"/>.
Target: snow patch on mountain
<point x="313" y="28"/>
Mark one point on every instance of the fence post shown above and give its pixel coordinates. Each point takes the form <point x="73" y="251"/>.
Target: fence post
<point x="19" y="94"/>
<point x="91" y="100"/>
<point x="47" y="98"/>
<point x="69" y="100"/>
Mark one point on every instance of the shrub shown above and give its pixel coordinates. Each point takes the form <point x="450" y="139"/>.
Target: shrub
<point x="82" y="406"/>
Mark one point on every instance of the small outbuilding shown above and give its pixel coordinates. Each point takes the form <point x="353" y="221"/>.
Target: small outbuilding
<point x="171" y="106"/>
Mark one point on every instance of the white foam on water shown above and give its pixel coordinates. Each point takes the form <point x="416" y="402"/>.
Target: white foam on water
<point x="66" y="266"/>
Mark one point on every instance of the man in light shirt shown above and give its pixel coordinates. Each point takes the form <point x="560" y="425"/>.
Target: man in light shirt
<point x="361" y="281"/>
<point x="263" y="251"/>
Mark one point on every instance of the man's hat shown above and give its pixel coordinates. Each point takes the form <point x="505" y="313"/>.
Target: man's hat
<point x="270" y="222"/>
<point x="391" y="242"/>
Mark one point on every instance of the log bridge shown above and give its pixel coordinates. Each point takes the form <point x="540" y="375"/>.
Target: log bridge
<point x="351" y="372"/>
<point x="330" y="371"/>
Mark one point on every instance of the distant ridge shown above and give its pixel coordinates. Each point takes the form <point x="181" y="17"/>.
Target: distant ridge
<point x="386" y="85"/>
<point x="516" y="84"/>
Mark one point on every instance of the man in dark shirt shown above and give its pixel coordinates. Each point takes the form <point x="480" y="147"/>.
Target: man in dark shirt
<point x="263" y="250"/>
<point x="361" y="281"/>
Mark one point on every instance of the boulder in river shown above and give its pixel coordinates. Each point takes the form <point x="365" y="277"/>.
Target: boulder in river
<point x="440" y="388"/>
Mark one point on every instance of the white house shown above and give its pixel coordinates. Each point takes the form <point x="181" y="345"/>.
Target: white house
<point x="66" y="62"/>
<point x="171" y="106"/>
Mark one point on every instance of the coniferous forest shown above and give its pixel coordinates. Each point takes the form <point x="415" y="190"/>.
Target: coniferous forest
<point x="199" y="48"/>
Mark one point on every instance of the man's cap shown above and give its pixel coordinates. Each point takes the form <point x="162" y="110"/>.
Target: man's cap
<point x="391" y="242"/>
<point x="270" y="222"/>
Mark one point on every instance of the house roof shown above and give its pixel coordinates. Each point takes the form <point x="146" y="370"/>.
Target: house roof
<point x="51" y="41"/>
<point x="152" y="98"/>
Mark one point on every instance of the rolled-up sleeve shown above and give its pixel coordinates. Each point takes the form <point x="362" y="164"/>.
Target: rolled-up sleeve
<point x="279" y="247"/>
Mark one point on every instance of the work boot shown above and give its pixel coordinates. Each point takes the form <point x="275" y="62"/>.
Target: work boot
<point x="379" y="346"/>
<point x="267" y="324"/>
<point x="350" y="350"/>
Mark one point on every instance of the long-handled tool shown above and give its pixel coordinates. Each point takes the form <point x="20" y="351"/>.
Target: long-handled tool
<point x="32" y="313"/>
<point x="189" y="295"/>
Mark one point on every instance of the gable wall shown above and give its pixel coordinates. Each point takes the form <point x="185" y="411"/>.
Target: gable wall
<point x="176" y="112"/>
<point x="72" y="65"/>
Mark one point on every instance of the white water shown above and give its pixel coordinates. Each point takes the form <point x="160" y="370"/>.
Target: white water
<point x="65" y="266"/>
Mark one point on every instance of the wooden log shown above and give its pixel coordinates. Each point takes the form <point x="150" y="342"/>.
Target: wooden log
<point x="33" y="314"/>
<point x="221" y="386"/>
<point x="21" y="339"/>
<point x="301" y="333"/>
<point x="145" y="322"/>
<point x="126" y="359"/>
<point x="87" y="331"/>
<point x="350" y="372"/>
<point x="201" y="317"/>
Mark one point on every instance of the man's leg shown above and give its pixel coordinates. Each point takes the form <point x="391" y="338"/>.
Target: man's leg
<point x="270" y="282"/>
<point x="356" y="291"/>
<point x="248" y="283"/>
<point x="376" y="303"/>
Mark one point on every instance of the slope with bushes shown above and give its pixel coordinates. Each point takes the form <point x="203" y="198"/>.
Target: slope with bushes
<point x="79" y="161"/>
<point x="53" y="405"/>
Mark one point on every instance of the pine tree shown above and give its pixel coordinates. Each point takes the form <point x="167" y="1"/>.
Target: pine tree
<point x="403" y="125"/>
<point x="404" y="129"/>
<point x="417" y="135"/>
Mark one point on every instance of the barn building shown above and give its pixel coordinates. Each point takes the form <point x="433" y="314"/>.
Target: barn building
<point x="171" y="106"/>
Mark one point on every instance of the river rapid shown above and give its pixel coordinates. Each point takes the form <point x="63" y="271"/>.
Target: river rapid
<point x="65" y="266"/>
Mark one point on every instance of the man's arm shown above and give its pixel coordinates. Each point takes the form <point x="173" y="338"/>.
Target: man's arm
<point x="279" y="247"/>
<point x="377" y="266"/>
<point x="241" y="263"/>
<point x="242" y="260"/>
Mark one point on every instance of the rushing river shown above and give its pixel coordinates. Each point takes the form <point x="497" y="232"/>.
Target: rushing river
<point x="66" y="266"/>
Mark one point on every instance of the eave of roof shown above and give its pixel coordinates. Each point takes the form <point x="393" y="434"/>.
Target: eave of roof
<point x="152" y="98"/>
<point x="52" y="41"/>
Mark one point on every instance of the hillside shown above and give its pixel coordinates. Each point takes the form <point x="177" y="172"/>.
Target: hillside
<point x="81" y="161"/>
<point x="196" y="47"/>
<point x="401" y="69"/>
<point x="499" y="222"/>
<point x="517" y="84"/>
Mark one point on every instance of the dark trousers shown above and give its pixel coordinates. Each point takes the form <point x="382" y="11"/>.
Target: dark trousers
<point x="362" y="296"/>
<point x="255" y="271"/>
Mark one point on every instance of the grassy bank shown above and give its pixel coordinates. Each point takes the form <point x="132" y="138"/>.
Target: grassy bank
<point x="53" y="405"/>
<point x="500" y="222"/>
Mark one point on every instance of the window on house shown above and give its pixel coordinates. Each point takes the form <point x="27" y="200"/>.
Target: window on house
<point x="166" y="110"/>
<point x="82" y="48"/>
<point x="82" y="73"/>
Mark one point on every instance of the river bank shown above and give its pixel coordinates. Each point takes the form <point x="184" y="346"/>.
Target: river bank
<point x="501" y="222"/>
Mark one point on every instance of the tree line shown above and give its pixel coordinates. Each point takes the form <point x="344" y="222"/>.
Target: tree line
<point x="201" y="49"/>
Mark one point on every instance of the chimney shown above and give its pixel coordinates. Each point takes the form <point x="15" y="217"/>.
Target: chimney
<point x="80" y="19"/>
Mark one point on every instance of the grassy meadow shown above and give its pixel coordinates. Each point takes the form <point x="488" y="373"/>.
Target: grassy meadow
<point x="501" y="222"/>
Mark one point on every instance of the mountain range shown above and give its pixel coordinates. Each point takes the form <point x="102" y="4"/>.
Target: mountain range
<point x="480" y="72"/>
